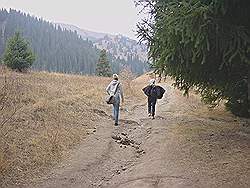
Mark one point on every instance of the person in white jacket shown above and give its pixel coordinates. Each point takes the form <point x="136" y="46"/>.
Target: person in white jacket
<point x="118" y="94"/>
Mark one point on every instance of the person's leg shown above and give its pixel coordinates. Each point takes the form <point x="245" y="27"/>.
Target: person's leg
<point x="117" y="106"/>
<point x="149" y="106"/>
<point x="113" y="112"/>
<point x="153" y="107"/>
<point x="117" y="113"/>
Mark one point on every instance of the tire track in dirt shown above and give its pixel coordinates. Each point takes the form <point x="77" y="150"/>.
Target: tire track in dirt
<point x="154" y="180"/>
<point x="101" y="157"/>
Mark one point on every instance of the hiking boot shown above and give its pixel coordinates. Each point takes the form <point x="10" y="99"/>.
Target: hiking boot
<point x="153" y="117"/>
<point x="149" y="114"/>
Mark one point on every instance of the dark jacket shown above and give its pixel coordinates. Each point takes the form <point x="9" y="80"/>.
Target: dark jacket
<point x="154" y="91"/>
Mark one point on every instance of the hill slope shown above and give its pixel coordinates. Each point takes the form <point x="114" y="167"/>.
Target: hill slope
<point x="58" y="49"/>
<point x="119" y="46"/>
<point x="85" y="34"/>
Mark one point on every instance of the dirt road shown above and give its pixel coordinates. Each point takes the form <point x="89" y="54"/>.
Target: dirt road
<point x="182" y="147"/>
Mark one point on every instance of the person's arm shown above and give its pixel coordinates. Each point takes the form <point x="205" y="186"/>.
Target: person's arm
<point x="108" y="89"/>
<point x="121" y="92"/>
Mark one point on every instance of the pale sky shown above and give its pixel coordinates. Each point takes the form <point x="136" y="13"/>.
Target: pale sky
<point x="108" y="16"/>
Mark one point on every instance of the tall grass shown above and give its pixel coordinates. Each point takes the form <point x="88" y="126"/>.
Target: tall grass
<point x="43" y="116"/>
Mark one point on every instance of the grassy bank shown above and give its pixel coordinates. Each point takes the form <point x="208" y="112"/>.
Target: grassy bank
<point x="43" y="116"/>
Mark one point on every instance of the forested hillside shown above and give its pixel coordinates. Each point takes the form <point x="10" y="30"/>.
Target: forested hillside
<point x="122" y="49"/>
<point x="118" y="45"/>
<point x="57" y="49"/>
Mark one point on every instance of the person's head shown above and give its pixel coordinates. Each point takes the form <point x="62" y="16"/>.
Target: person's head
<point x="152" y="82"/>
<point x="115" y="76"/>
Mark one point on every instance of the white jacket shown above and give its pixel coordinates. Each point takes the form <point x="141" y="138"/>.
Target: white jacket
<point x="112" y="86"/>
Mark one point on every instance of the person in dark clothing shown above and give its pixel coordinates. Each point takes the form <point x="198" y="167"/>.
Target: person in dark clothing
<point x="152" y="98"/>
<point x="153" y="92"/>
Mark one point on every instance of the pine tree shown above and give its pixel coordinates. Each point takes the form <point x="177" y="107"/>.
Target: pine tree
<point x="103" y="67"/>
<point x="18" y="55"/>
<point x="202" y="44"/>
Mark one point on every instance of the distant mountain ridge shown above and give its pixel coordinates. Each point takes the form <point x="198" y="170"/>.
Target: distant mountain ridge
<point x="85" y="34"/>
<point x="120" y="46"/>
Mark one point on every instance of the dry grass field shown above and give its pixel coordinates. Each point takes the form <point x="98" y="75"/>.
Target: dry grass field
<point x="43" y="116"/>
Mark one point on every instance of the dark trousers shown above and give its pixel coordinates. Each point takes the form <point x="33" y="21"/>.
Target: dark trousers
<point x="151" y="105"/>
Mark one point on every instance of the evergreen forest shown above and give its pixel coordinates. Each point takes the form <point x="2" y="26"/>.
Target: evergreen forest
<point x="57" y="49"/>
